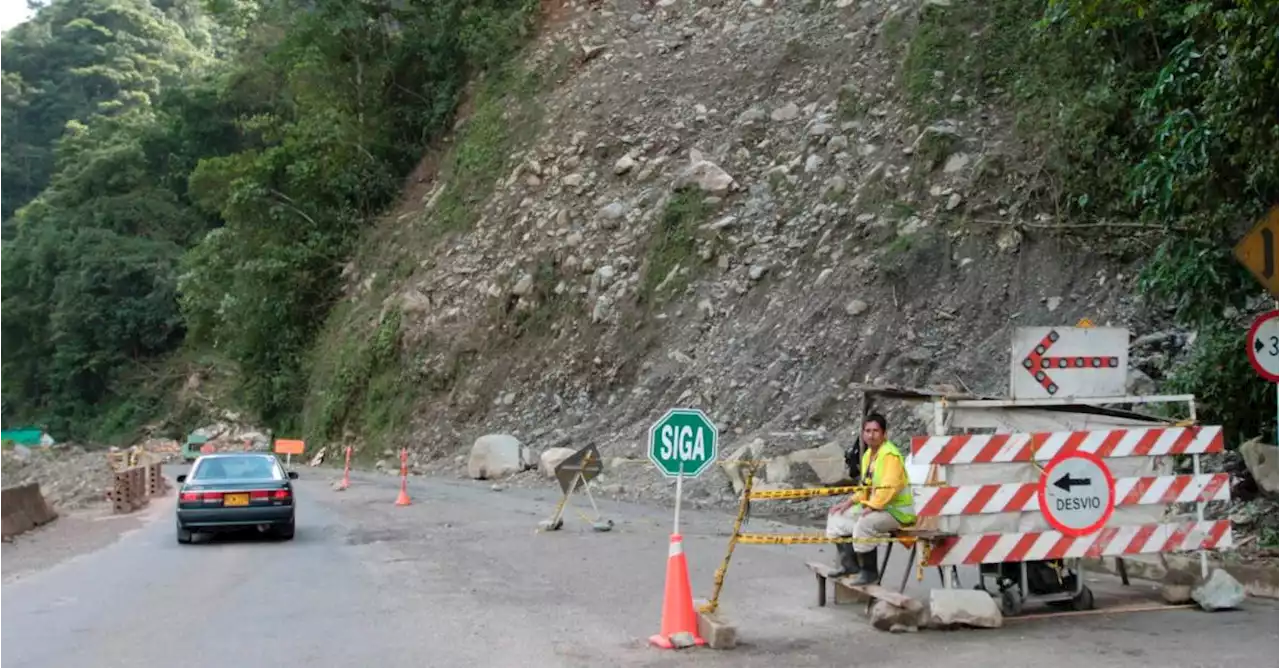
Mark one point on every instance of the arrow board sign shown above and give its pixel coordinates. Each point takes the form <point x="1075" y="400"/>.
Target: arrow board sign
<point x="1068" y="362"/>
<point x="1077" y="493"/>
<point x="586" y="461"/>
<point x="1264" y="346"/>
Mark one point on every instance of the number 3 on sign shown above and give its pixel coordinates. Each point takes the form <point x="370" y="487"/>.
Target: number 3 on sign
<point x="1264" y="346"/>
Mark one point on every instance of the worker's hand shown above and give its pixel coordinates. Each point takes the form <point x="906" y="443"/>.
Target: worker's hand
<point x="840" y="507"/>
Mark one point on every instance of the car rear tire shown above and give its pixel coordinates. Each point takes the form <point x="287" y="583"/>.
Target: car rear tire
<point x="184" y="535"/>
<point x="285" y="531"/>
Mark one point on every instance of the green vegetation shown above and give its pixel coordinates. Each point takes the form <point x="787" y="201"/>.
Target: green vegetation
<point x="505" y="114"/>
<point x="359" y="384"/>
<point x="1160" y="112"/>
<point x="356" y="387"/>
<point x="185" y="177"/>
<point x="674" y="246"/>
<point x="184" y="181"/>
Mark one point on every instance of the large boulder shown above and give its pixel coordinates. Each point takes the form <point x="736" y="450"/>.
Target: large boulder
<point x="1219" y="592"/>
<point x="704" y="175"/>
<point x="886" y="616"/>
<point x="1263" y="461"/>
<point x="963" y="607"/>
<point x="734" y="468"/>
<point x="551" y="458"/>
<point x="826" y="461"/>
<point x="1176" y="587"/>
<point x="497" y="455"/>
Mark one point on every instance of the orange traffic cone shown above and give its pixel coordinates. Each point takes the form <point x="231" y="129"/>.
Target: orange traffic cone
<point x="677" y="606"/>
<point x="346" y="472"/>
<point x="403" y="499"/>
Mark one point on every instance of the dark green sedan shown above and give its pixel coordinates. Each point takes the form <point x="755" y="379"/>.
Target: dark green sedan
<point x="236" y="490"/>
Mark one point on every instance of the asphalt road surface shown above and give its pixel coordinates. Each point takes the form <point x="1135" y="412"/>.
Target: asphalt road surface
<point x="462" y="578"/>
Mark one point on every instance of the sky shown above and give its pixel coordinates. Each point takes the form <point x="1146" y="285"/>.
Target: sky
<point x="13" y="12"/>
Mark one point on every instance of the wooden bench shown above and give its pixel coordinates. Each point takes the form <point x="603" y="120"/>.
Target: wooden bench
<point x="908" y="536"/>
<point x="871" y="591"/>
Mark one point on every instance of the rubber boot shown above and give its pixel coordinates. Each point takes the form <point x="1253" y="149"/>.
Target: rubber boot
<point x="868" y="573"/>
<point x="848" y="562"/>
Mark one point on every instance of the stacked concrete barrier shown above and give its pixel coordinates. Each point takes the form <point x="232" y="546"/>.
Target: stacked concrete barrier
<point x="157" y="485"/>
<point x="129" y="490"/>
<point x="23" y="508"/>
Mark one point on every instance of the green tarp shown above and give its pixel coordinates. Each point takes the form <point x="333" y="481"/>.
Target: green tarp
<point x="25" y="436"/>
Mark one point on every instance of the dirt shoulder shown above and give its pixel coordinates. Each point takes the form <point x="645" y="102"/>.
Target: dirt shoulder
<point x="74" y="533"/>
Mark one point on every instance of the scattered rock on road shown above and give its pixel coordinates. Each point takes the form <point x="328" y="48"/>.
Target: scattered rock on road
<point x="495" y="456"/>
<point x="1176" y="586"/>
<point x="1219" y="592"/>
<point x="889" y="617"/>
<point x="552" y="458"/>
<point x="963" y="607"/>
<point x="1263" y="461"/>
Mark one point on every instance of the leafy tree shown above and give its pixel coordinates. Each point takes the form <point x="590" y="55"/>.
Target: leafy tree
<point x="228" y="168"/>
<point x="1159" y="111"/>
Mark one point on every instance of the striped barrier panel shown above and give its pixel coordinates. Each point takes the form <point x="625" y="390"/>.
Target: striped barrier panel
<point x="1045" y="446"/>
<point x="995" y="548"/>
<point x="1099" y="540"/>
<point x="1020" y="497"/>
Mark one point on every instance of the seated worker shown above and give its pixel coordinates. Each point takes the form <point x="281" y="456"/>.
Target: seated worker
<point x="872" y="513"/>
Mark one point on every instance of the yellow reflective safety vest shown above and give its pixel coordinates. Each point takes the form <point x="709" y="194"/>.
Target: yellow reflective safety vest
<point x="902" y="506"/>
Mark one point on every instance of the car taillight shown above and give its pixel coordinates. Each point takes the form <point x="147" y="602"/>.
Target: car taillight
<point x="259" y="494"/>
<point x="200" y="496"/>
<point x="281" y="495"/>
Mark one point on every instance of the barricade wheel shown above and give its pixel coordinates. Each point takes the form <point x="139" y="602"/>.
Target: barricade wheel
<point x="1011" y="602"/>
<point x="1083" y="600"/>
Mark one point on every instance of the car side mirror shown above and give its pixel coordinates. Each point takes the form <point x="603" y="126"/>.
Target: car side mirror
<point x="293" y="475"/>
<point x="182" y="477"/>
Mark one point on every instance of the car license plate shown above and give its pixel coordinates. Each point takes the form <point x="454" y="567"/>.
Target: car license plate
<point x="235" y="500"/>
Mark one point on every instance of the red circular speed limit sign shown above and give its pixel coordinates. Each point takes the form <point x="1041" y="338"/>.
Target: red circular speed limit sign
<point x="1264" y="345"/>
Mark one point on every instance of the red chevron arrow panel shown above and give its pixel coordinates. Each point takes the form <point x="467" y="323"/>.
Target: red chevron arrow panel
<point x="1068" y="362"/>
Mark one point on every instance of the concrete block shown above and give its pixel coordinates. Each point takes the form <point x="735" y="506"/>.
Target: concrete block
<point x="714" y="629"/>
<point x="949" y="608"/>
<point x="24" y="508"/>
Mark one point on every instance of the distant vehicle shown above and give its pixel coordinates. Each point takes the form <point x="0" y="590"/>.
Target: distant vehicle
<point x="191" y="449"/>
<point x="236" y="490"/>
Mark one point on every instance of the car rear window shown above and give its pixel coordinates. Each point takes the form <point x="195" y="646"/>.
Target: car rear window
<point x="237" y="468"/>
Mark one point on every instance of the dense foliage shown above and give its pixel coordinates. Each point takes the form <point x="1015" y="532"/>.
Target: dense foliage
<point x="1160" y="112"/>
<point x="175" y="177"/>
<point x="183" y="178"/>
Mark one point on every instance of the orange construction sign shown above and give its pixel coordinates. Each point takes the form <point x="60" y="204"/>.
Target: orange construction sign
<point x="286" y="446"/>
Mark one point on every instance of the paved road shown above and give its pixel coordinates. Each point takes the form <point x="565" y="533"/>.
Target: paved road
<point x="461" y="578"/>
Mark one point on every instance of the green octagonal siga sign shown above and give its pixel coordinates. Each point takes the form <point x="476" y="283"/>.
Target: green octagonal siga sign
<point x="683" y="443"/>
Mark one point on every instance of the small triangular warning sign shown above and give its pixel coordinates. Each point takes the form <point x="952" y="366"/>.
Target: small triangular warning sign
<point x="1085" y="322"/>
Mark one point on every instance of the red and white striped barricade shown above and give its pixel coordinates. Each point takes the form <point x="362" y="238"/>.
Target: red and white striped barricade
<point x="1009" y="521"/>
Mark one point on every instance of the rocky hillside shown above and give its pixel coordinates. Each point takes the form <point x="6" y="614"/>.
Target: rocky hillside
<point x="745" y="207"/>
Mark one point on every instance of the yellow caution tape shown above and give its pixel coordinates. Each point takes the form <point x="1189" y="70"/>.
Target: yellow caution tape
<point x="748" y="495"/>
<point x="714" y="602"/>
<point x="775" y="494"/>
<point x="804" y="539"/>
